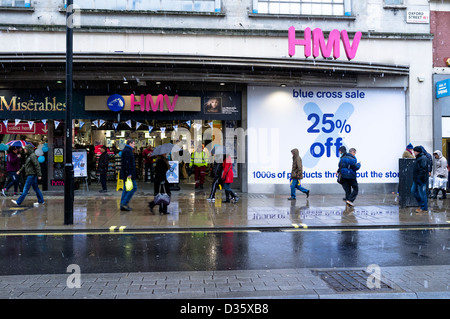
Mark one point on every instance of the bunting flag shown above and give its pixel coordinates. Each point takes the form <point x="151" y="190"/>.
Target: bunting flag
<point x="6" y="123"/>
<point x="150" y="128"/>
<point x="56" y="124"/>
<point x="129" y="123"/>
<point x="95" y="123"/>
<point x="44" y="121"/>
<point x="81" y="124"/>
<point x="163" y="129"/>
<point x="137" y="125"/>
<point x="115" y="126"/>
<point x="175" y="127"/>
<point x="16" y="122"/>
<point x="101" y="122"/>
<point x="30" y="124"/>
<point x="211" y="124"/>
<point x="188" y="123"/>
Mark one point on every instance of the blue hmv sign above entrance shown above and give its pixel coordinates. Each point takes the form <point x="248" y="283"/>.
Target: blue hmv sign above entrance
<point x="442" y="88"/>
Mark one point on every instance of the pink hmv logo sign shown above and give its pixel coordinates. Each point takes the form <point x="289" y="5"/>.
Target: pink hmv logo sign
<point x="315" y="41"/>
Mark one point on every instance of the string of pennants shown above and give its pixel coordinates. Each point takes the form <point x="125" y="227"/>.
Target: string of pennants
<point x="99" y="123"/>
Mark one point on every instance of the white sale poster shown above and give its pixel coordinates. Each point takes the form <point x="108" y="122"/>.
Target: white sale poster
<point x="317" y="121"/>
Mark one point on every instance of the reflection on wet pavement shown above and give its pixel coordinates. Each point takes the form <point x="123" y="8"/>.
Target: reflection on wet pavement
<point x="190" y="209"/>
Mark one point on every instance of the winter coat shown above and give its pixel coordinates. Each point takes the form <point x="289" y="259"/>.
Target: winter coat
<point x="297" y="166"/>
<point x="128" y="165"/>
<point x="13" y="163"/>
<point x="348" y="166"/>
<point x="161" y="168"/>
<point x="31" y="166"/>
<point x="217" y="170"/>
<point x="227" y="174"/>
<point x="420" y="169"/>
<point x="103" y="163"/>
<point x="440" y="166"/>
<point x="408" y="154"/>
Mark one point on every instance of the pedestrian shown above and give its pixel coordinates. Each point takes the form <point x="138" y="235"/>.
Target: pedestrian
<point x="128" y="170"/>
<point x="161" y="182"/>
<point x="199" y="159"/>
<point x="216" y="173"/>
<point x="148" y="163"/>
<point x="297" y="175"/>
<point x="420" y="178"/>
<point x="440" y="175"/>
<point x="347" y="168"/>
<point x="408" y="153"/>
<point x="227" y="178"/>
<point x="12" y="166"/>
<point x="33" y="173"/>
<point x="103" y="164"/>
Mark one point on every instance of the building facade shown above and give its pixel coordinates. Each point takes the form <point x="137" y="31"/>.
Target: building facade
<point x="287" y="74"/>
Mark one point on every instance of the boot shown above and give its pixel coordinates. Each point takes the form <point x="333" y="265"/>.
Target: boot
<point x="227" y="197"/>
<point x="234" y="196"/>
<point x="444" y="194"/>
<point x="435" y="192"/>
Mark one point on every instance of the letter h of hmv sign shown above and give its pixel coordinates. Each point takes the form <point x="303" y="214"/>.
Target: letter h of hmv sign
<point x="318" y="43"/>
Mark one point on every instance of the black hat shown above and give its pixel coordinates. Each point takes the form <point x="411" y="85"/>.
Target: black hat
<point x="417" y="149"/>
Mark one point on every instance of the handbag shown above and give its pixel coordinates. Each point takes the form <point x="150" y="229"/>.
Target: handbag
<point x="222" y="180"/>
<point x="128" y="184"/>
<point x="162" y="197"/>
<point x="339" y="178"/>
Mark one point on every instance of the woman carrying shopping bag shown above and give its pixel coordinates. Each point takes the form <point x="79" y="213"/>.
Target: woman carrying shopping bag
<point x="161" y="185"/>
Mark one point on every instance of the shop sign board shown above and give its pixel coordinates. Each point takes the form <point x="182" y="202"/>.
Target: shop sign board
<point x="317" y="121"/>
<point x="417" y="16"/>
<point x="315" y="41"/>
<point x="442" y="88"/>
<point x="173" y="174"/>
<point x="23" y="128"/>
<point x="79" y="161"/>
<point x="143" y="103"/>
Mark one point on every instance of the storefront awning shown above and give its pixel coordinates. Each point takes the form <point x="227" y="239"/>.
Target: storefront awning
<point x="190" y="68"/>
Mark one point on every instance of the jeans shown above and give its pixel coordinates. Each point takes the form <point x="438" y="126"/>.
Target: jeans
<point x="126" y="196"/>
<point x="296" y="185"/>
<point x="350" y="186"/>
<point x="14" y="180"/>
<point x="103" y="181"/>
<point x="31" y="182"/>
<point x="419" y="190"/>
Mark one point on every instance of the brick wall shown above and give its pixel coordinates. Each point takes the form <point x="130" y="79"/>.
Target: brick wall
<point x="440" y="27"/>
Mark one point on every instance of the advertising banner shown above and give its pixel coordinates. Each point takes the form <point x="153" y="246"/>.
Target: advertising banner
<point x="317" y="121"/>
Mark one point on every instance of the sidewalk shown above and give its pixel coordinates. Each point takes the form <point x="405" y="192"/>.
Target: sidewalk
<point x="189" y="210"/>
<point x="420" y="282"/>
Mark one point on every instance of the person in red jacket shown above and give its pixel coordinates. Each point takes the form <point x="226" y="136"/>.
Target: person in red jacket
<point x="227" y="177"/>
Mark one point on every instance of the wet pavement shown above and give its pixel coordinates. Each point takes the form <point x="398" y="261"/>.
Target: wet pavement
<point x="189" y="209"/>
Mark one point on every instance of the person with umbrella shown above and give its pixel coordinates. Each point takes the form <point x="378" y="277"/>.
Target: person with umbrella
<point x="33" y="173"/>
<point x="161" y="168"/>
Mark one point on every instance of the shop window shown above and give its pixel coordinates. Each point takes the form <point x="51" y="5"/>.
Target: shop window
<point x="153" y="5"/>
<point x="15" y="3"/>
<point x="303" y="7"/>
<point x="393" y="2"/>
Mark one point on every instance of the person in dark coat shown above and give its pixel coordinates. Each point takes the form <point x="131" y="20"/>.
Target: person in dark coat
<point x="12" y="166"/>
<point x="216" y="173"/>
<point x="161" y="168"/>
<point x="420" y="179"/>
<point x="348" y="166"/>
<point x="103" y="163"/>
<point x="128" y="170"/>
